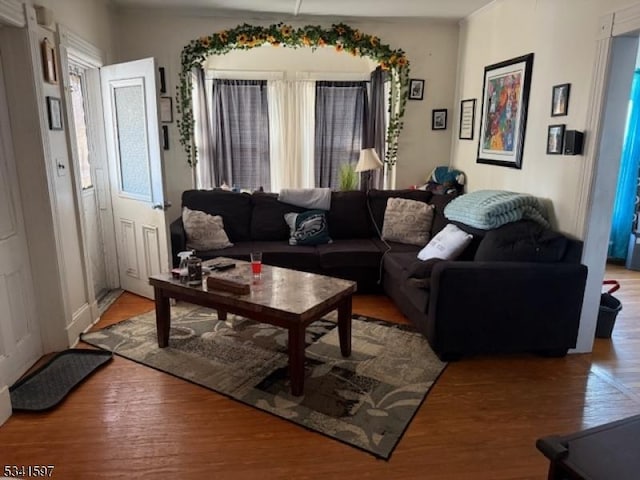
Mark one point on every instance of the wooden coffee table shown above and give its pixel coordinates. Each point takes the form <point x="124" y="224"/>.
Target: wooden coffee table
<point x="286" y="298"/>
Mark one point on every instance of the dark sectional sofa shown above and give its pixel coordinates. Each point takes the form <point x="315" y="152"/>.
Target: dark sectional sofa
<point x="518" y="288"/>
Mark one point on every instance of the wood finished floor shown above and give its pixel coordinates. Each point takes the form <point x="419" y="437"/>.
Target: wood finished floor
<point x="480" y="421"/>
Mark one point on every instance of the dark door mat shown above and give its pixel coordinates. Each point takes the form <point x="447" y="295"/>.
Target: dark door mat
<point x="51" y="383"/>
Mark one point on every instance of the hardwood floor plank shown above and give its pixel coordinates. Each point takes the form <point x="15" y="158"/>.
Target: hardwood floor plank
<point x="480" y="421"/>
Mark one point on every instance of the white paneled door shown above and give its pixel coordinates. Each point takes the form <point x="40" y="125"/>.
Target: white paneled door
<point x="20" y="341"/>
<point x="130" y="100"/>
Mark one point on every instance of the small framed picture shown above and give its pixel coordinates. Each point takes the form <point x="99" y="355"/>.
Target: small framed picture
<point x="54" y="112"/>
<point x="165" y="137"/>
<point x="166" y="109"/>
<point x="555" y="139"/>
<point x="163" y="80"/>
<point x="467" y="119"/>
<point x="416" y="89"/>
<point x="439" y="119"/>
<point x="49" y="64"/>
<point x="560" y="100"/>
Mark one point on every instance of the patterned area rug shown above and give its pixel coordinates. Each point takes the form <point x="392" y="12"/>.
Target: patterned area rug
<point x="366" y="400"/>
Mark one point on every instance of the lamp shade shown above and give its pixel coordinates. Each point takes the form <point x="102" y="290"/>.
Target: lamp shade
<point x="368" y="160"/>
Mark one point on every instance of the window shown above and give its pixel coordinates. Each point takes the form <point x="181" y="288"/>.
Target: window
<point x="82" y="141"/>
<point x="340" y="113"/>
<point x="241" y="133"/>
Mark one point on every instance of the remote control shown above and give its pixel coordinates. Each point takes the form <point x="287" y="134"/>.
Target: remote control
<point x="224" y="266"/>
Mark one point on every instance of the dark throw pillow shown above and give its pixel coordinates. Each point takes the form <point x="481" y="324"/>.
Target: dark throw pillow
<point x="522" y="241"/>
<point x="308" y="228"/>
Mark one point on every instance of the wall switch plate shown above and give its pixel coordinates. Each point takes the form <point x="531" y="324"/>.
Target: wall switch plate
<point x="61" y="168"/>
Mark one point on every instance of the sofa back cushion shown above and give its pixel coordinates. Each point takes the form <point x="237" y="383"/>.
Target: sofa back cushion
<point x="267" y="220"/>
<point x="522" y="241"/>
<point x="234" y="208"/>
<point x="378" y="202"/>
<point x="349" y="215"/>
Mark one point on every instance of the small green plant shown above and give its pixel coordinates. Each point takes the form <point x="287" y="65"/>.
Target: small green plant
<point x="348" y="177"/>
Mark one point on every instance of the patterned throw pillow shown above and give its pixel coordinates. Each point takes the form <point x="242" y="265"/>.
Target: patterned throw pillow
<point x="447" y="244"/>
<point x="308" y="228"/>
<point x="204" y="231"/>
<point x="407" y="221"/>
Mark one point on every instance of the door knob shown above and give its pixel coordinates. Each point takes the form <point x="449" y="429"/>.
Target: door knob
<point x="162" y="206"/>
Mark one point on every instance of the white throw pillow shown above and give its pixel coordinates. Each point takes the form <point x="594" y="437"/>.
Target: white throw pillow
<point x="447" y="244"/>
<point x="407" y="221"/>
<point x="204" y="231"/>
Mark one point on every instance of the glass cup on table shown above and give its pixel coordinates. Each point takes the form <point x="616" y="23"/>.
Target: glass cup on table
<point x="256" y="264"/>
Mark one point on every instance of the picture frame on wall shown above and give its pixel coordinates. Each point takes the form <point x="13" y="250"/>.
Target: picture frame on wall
<point x="505" y="103"/>
<point x="439" y="119"/>
<point x="49" y="64"/>
<point x="555" y="139"/>
<point x="166" y="109"/>
<point x="467" y="119"/>
<point x="560" y="99"/>
<point x="54" y="112"/>
<point x="416" y="89"/>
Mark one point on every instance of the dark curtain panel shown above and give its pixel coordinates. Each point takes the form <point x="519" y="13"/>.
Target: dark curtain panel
<point x="376" y="131"/>
<point x="241" y="133"/>
<point x="341" y="108"/>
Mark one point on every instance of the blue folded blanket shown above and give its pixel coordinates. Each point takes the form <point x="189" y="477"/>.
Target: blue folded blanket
<point x="487" y="209"/>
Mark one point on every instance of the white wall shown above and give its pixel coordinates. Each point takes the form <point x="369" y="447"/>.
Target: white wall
<point x="562" y="36"/>
<point x="90" y="19"/>
<point x="431" y="48"/>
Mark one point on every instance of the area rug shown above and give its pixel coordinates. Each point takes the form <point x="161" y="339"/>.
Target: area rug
<point x="366" y="400"/>
<point x="48" y="385"/>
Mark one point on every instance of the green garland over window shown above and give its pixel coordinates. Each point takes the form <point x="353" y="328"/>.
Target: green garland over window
<point x="341" y="37"/>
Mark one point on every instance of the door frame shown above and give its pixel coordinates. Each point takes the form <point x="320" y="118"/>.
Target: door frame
<point x="595" y="204"/>
<point x="74" y="49"/>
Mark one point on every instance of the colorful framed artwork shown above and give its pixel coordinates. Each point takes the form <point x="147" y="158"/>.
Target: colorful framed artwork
<point x="467" y="119"/>
<point x="505" y="102"/>
<point x="555" y="139"/>
<point x="560" y="99"/>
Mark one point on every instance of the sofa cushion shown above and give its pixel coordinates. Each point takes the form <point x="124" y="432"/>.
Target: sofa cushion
<point x="396" y="247"/>
<point x="267" y="219"/>
<point x="419" y="272"/>
<point x="447" y="245"/>
<point x="349" y="215"/>
<point x="234" y="208"/>
<point x="308" y="228"/>
<point x="407" y="221"/>
<point x="240" y="251"/>
<point x="204" y="231"/>
<point x="522" y="241"/>
<point x="378" y="202"/>
<point x="396" y="266"/>
<point x="281" y="254"/>
<point x="356" y="252"/>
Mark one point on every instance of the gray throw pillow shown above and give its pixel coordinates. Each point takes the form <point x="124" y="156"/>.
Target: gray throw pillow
<point x="204" y="231"/>
<point x="407" y="221"/>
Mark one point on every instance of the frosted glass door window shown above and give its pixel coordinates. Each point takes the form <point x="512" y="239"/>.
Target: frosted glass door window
<point x="131" y="129"/>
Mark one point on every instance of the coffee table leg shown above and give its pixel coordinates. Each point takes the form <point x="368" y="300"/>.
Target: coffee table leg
<point x="163" y="317"/>
<point x="222" y="315"/>
<point x="296" y="359"/>
<point x="344" y="326"/>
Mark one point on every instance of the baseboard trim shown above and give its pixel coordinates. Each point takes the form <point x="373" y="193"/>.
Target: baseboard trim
<point x="5" y="404"/>
<point x="82" y="319"/>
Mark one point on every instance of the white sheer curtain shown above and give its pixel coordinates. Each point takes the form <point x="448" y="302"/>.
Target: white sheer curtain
<point x="205" y="177"/>
<point x="291" y="133"/>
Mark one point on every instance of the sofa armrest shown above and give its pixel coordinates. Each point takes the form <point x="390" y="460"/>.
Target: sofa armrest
<point x="178" y="240"/>
<point x="505" y="306"/>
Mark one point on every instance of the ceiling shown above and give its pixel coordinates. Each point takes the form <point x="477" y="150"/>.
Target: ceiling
<point x="437" y="9"/>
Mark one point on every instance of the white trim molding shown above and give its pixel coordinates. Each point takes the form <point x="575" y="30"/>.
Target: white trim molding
<point x="12" y="13"/>
<point x="80" y="51"/>
<point x="5" y="404"/>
